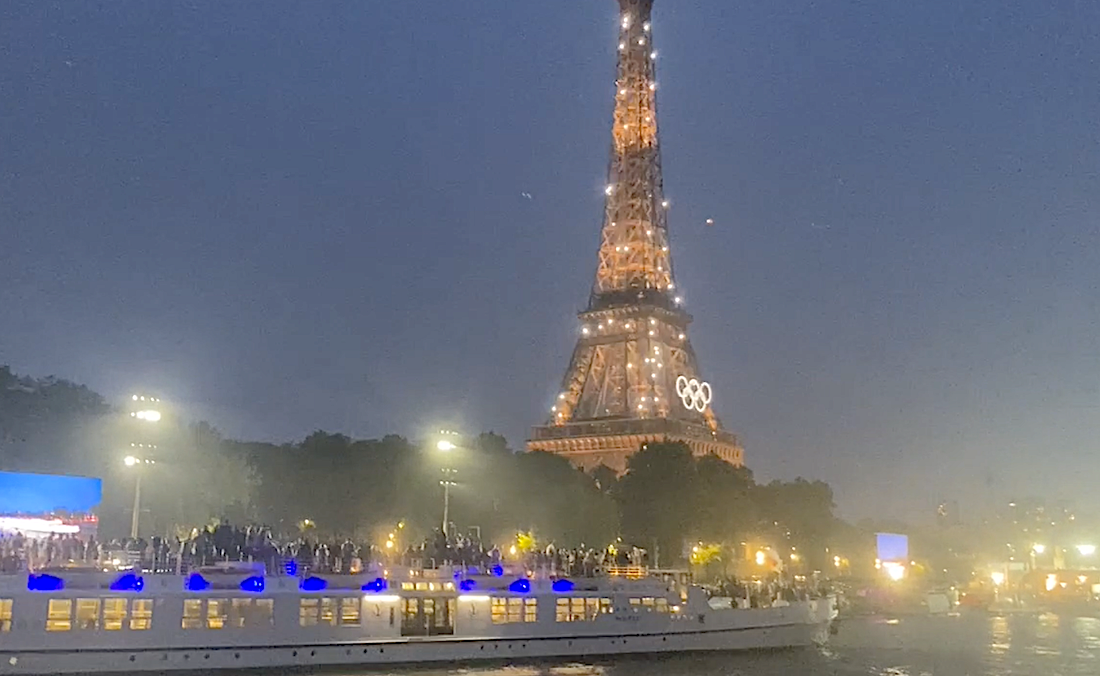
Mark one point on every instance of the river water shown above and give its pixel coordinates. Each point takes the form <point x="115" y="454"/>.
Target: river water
<point x="972" y="644"/>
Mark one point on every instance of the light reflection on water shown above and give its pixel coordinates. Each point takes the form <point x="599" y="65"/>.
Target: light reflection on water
<point x="972" y="644"/>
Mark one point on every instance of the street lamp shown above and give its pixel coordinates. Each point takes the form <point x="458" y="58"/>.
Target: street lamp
<point x="446" y="446"/>
<point x="135" y="462"/>
<point x="147" y="415"/>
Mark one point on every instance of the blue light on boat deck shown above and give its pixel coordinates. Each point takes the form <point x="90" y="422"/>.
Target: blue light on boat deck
<point x="291" y="568"/>
<point x="253" y="584"/>
<point x="196" y="582"/>
<point x="497" y="570"/>
<point x="376" y="585"/>
<point x="520" y="586"/>
<point x="467" y="585"/>
<point x="44" y="582"/>
<point x="562" y="586"/>
<point x="313" y="584"/>
<point x="128" y="582"/>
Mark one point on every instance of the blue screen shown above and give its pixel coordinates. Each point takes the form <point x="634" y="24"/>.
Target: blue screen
<point x="35" y="494"/>
<point x="893" y="547"/>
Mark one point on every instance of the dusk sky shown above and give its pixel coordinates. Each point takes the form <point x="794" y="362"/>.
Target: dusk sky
<point x="291" y="216"/>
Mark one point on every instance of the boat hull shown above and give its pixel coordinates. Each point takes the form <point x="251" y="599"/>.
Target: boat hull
<point x="411" y="651"/>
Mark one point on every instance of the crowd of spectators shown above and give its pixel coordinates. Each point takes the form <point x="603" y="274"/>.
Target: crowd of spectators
<point x="19" y="552"/>
<point x="227" y="544"/>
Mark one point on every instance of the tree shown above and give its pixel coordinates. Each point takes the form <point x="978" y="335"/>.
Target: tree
<point x="798" y="513"/>
<point x="724" y="510"/>
<point x="657" y="497"/>
<point x="559" y="502"/>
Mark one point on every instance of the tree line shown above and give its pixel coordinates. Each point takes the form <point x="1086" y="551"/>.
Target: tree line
<point x="338" y="487"/>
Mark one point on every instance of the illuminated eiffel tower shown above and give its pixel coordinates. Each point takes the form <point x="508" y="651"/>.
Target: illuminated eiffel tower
<point x="633" y="378"/>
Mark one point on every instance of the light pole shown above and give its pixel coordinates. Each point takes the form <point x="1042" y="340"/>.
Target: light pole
<point x="144" y="411"/>
<point x="446" y="446"/>
<point x="134" y="463"/>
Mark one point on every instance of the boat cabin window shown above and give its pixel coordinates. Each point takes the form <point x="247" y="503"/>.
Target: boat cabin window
<point x="251" y="613"/>
<point x="662" y="605"/>
<point x="87" y="614"/>
<point x="114" y="613"/>
<point x="5" y="615"/>
<point x="141" y="614"/>
<point x="217" y="611"/>
<point x="330" y="611"/>
<point x="349" y="612"/>
<point x="513" y="609"/>
<point x="59" y="614"/>
<point x="428" y="616"/>
<point x="307" y="612"/>
<point x="581" y="609"/>
<point x="192" y="614"/>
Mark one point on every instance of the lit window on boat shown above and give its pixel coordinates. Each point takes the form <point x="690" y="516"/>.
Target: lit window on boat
<point x="511" y="610"/>
<point x="635" y="604"/>
<point x="307" y="612"/>
<point x="114" y="613"/>
<point x="662" y="605"/>
<point x="498" y="609"/>
<point x="5" y="615"/>
<point x="192" y="614"/>
<point x="421" y="586"/>
<point x="328" y="611"/>
<point x="59" y="615"/>
<point x="407" y="586"/>
<point x="349" y="612"/>
<point x="87" y="614"/>
<point x="606" y="607"/>
<point x="141" y="614"/>
<point x="577" y="609"/>
<point x="648" y="603"/>
<point x="217" y="611"/>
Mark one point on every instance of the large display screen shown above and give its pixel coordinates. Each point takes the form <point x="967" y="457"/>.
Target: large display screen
<point x="40" y="494"/>
<point x="892" y="547"/>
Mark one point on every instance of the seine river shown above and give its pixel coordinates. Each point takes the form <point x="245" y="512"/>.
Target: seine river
<point x="966" y="645"/>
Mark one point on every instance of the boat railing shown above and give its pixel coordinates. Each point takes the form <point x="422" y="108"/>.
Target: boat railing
<point x="629" y="572"/>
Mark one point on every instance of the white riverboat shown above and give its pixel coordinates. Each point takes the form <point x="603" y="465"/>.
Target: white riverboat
<point x="65" y="622"/>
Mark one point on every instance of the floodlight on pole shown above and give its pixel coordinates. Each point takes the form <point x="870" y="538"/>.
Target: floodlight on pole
<point x="446" y="446"/>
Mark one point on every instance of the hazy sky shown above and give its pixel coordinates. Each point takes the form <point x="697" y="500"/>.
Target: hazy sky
<point x="291" y="216"/>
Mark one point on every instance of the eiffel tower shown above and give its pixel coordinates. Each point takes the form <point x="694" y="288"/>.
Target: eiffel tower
<point x="633" y="378"/>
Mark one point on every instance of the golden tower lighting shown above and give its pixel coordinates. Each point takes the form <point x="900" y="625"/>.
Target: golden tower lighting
<point x="633" y="378"/>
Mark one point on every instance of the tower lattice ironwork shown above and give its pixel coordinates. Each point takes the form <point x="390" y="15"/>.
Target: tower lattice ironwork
<point x="633" y="378"/>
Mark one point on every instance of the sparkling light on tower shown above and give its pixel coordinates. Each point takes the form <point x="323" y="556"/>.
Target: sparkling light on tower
<point x="633" y="378"/>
